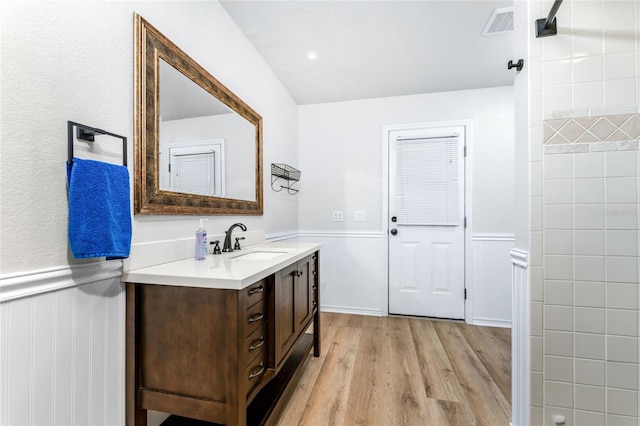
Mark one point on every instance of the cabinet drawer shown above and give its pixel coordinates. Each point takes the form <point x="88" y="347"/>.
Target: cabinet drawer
<point x="253" y="294"/>
<point x="255" y="371"/>
<point x="256" y="342"/>
<point x="254" y="317"/>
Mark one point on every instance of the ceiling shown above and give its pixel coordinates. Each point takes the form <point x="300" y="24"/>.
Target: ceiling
<point x="372" y="49"/>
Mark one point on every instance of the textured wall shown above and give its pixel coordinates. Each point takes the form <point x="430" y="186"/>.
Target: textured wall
<point x="74" y="61"/>
<point x="62" y="351"/>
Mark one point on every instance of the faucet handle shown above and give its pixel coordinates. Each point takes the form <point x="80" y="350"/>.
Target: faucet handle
<point x="216" y="246"/>
<point x="236" y="246"/>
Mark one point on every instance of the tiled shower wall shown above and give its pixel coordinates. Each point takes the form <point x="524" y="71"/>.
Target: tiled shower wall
<point x="583" y="169"/>
<point x="590" y="309"/>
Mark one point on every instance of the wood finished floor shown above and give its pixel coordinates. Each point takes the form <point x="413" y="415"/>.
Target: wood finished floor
<point x="403" y="371"/>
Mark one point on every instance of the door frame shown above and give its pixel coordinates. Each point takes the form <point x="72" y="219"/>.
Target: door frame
<point x="468" y="231"/>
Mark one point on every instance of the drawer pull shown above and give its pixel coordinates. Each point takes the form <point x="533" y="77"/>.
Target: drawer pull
<point x="257" y="345"/>
<point x="256" y="290"/>
<point x="256" y="317"/>
<point x="257" y="373"/>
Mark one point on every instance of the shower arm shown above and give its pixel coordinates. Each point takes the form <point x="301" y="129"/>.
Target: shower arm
<point x="548" y="27"/>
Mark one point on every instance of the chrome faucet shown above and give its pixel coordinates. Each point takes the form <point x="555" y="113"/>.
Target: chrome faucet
<point x="227" y="239"/>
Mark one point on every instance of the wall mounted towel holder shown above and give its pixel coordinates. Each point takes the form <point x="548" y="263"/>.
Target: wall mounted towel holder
<point x="86" y="133"/>
<point x="286" y="172"/>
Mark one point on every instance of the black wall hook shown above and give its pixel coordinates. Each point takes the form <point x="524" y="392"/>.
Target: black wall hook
<point x="518" y="65"/>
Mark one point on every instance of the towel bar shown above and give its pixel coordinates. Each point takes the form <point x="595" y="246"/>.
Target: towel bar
<point x="87" y="133"/>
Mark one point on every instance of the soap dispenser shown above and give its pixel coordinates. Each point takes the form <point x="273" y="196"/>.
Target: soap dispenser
<point x="201" y="241"/>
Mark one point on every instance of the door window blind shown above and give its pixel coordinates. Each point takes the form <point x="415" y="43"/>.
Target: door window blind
<point x="194" y="173"/>
<point x="427" y="182"/>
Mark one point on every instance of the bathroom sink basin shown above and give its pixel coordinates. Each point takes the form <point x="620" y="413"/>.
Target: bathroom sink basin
<point x="259" y="255"/>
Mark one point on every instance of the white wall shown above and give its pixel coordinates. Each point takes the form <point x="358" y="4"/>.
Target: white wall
<point x="341" y="164"/>
<point x="62" y="353"/>
<point x="74" y="61"/>
<point x="341" y="155"/>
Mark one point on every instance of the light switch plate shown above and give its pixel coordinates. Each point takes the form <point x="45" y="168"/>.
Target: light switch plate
<point x="358" y="216"/>
<point x="338" y="216"/>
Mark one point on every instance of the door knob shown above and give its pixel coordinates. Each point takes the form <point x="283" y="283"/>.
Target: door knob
<point x="394" y="231"/>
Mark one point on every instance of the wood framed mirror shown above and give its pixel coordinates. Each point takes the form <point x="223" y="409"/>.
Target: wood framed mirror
<point x="198" y="147"/>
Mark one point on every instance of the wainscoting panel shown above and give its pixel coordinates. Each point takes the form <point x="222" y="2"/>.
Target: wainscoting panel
<point x="352" y="271"/>
<point x="520" y="355"/>
<point x="62" y="349"/>
<point x="490" y="280"/>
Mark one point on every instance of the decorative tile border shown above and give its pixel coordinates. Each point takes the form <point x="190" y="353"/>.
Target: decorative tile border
<point x="572" y="134"/>
<point x="594" y="112"/>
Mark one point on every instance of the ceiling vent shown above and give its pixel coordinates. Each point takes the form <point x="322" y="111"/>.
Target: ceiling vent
<point x="500" y="22"/>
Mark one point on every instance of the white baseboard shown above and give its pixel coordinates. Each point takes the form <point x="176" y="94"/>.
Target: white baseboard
<point x="488" y="322"/>
<point x="350" y="310"/>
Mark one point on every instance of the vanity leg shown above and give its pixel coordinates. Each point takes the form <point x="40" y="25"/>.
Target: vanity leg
<point x="135" y="416"/>
<point x="316" y="333"/>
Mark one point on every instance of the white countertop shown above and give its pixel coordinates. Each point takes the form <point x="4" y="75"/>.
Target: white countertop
<point x="227" y="270"/>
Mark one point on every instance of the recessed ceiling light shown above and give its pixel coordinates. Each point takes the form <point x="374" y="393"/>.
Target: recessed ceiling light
<point x="312" y="55"/>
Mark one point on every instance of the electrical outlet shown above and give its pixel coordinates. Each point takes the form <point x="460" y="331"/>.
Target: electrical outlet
<point x="337" y="216"/>
<point x="358" y="216"/>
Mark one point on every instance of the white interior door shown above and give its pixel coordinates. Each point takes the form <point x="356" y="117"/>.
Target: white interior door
<point x="426" y="222"/>
<point x="193" y="167"/>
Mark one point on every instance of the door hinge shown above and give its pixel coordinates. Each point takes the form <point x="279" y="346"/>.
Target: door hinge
<point x="465" y="221"/>
<point x="465" y="294"/>
<point x="465" y="151"/>
<point x="169" y="167"/>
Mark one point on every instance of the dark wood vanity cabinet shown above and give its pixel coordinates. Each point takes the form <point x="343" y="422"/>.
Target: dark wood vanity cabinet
<point x="212" y="354"/>
<point x="293" y="296"/>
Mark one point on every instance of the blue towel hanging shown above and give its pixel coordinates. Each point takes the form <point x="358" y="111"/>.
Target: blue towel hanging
<point x="99" y="209"/>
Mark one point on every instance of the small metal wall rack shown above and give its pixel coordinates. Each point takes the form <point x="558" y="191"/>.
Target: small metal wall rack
<point x="87" y="134"/>
<point x="286" y="172"/>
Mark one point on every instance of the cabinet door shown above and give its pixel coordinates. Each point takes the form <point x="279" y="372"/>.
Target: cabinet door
<point x="285" y="324"/>
<point x="304" y="295"/>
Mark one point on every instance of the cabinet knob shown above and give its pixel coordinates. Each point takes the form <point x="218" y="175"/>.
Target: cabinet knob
<point x="297" y="273"/>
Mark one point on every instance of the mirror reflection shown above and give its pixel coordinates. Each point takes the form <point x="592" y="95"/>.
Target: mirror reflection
<point x="205" y="147"/>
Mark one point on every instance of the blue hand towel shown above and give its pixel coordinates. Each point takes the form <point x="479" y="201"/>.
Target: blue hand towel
<point x="99" y="209"/>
